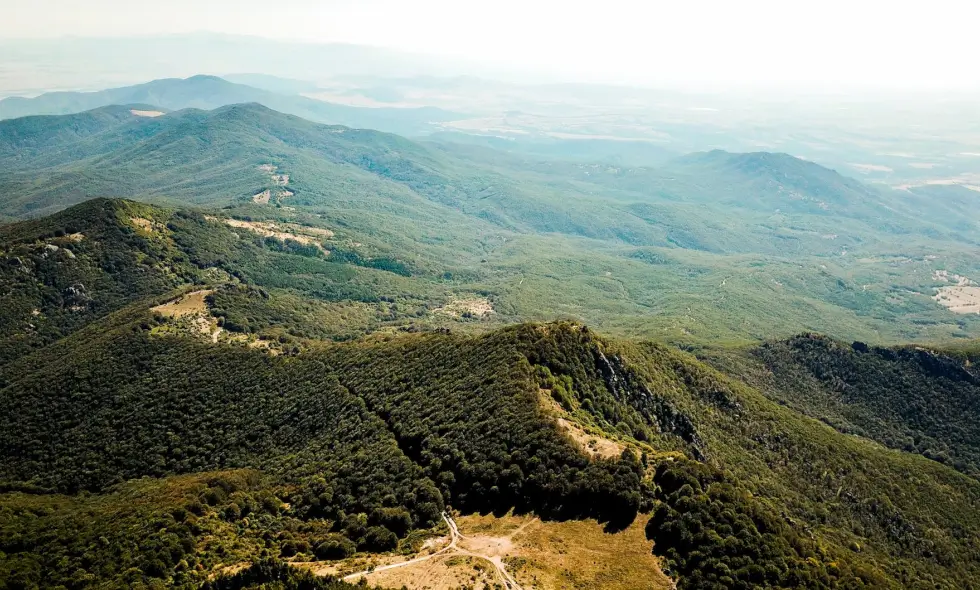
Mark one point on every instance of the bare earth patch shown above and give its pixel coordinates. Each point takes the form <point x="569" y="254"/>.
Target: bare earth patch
<point x="444" y="573"/>
<point x="308" y="236"/>
<point x="476" y="307"/>
<point x="596" y="446"/>
<point x="147" y="225"/>
<point x="946" y="276"/>
<point x="150" y="114"/>
<point x="279" y="180"/>
<point x="959" y="299"/>
<point x="190" y="304"/>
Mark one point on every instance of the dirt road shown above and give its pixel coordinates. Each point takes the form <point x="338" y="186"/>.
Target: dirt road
<point x="452" y="548"/>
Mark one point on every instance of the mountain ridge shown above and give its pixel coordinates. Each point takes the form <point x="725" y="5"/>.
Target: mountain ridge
<point x="208" y="92"/>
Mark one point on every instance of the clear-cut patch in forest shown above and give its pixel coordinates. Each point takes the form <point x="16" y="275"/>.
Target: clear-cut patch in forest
<point x="150" y="114"/>
<point x="190" y="304"/>
<point x="534" y="553"/>
<point x="279" y="181"/>
<point x="469" y="307"/>
<point x="307" y="236"/>
<point x="147" y="225"/>
<point x="959" y="299"/>
<point x="595" y="445"/>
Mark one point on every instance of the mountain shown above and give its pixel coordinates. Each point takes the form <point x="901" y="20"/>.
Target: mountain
<point x="85" y="62"/>
<point x="798" y="182"/>
<point x="272" y="83"/>
<point x="60" y="273"/>
<point x="182" y="431"/>
<point x="210" y="92"/>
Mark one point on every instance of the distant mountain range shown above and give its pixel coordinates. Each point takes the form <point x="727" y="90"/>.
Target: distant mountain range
<point x="210" y="92"/>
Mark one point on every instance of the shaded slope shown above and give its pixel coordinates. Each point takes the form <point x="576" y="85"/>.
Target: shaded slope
<point x="893" y="519"/>
<point x="915" y="399"/>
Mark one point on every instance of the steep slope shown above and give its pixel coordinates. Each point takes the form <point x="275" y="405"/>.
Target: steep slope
<point x="394" y="430"/>
<point x="886" y="514"/>
<point x="62" y="272"/>
<point x="210" y="92"/>
<point x="910" y="398"/>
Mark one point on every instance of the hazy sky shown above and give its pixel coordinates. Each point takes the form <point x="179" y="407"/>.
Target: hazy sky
<point x="897" y="43"/>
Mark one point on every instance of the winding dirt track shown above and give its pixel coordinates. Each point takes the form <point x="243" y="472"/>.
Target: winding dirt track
<point x="451" y="549"/>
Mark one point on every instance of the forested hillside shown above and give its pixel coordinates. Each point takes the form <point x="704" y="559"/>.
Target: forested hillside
<point x="911" y="398"/>
<point x="59" y="273"/>
<point x="398" y="428"/>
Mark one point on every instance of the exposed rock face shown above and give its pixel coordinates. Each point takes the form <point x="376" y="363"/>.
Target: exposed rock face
<point x="627" y="388"/>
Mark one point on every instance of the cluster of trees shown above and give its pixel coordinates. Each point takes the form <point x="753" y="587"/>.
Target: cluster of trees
<point x="880" y="515"/>
<point x="269" y="574"/>
<point x="370" y="440"/>
<point x="714" y="534"/>
<point x="167" y="533"/>
<point x="59" y="273"/>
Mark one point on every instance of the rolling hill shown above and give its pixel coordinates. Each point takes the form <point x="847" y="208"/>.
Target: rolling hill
<point x="708" y="248"/>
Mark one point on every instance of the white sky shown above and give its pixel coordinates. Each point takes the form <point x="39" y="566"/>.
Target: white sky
<point x="898" y="43"/>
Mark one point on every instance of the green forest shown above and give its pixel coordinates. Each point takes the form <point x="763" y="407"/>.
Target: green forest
<point x="238" y="347"/>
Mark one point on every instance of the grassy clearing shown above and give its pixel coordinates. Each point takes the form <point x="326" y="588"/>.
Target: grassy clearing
<point x="573" y="554"/>
<point x="193" y="303"/>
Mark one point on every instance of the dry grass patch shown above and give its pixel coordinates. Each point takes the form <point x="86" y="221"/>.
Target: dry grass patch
<point x="308" y="236"/>
<point x="573" y="554"/>
<point x="263" y="197"/>
<point x="479" y="307"/>
<point x="538" y="555"/>
<point x="959" y="299"/>
<point x="190" y="304"/>
<point x="151" y="114"/>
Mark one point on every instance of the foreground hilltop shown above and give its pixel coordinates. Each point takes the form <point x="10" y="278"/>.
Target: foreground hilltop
<point x="245" y="434"/>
